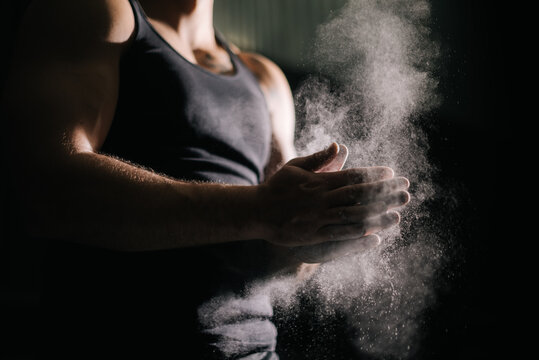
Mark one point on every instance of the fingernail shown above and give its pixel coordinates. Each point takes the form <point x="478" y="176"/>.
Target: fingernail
<point x="384" y="173"/>
<point x="404" y="197"/>
<point x="342" y="155"/>
<point x="391" y="218"/>
<point x="333" y="145"/>
<point x="373" y="240"/>
<point x="404" y="182"/>
<point x="394" y="217"/>
<point x="389" y="171"/>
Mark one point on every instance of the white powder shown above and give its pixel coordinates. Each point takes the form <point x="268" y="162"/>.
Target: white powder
<point x="376" y="84"/>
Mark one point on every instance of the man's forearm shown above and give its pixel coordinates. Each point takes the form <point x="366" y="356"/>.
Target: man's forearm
<point x="98" y="200"/>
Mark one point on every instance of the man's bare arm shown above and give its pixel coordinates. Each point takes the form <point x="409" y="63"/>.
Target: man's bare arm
<point x="60" y="100"/>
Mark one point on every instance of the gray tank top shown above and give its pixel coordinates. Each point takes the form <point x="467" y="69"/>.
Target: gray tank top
<point x="184" y="121"/>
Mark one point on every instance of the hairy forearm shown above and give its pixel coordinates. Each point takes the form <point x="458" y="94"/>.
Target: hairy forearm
<point x="98" y="200"/>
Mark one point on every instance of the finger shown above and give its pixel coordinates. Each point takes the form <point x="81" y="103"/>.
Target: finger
<point x="331" y="250"/>
<point x="396" y="199"/>
<point x="358" y="213"/>
<point x="353" y="214"/>
<point x="385" y="221"/>
<point x="357" y="176"/>
<point x="317" y="160"/>
<point x="368" y="192"/>
<point x="353" y="231"/>
<point x="338" y="162"/>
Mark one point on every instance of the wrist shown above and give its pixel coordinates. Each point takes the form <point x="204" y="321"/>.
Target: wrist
<point x="254" y="204"/>
<point x="260" y="204"/>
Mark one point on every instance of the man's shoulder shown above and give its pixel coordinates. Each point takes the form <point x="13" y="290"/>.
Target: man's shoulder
<point x="111" y="21"/>
<point x="268" y="73"/>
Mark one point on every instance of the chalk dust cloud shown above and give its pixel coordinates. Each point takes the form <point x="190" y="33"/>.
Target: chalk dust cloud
<point x="375" y="86"/>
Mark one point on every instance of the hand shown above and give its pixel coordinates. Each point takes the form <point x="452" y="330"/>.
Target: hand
<point x="326" y="214"/>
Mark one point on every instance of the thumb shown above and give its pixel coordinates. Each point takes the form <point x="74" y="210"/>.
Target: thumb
<point x="318" y="160"/>
<point x="337" y="162"/>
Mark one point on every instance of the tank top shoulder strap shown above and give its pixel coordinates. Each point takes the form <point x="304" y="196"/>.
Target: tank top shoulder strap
<point x="221" y="41"/>
<point x="238" y="63"/>
<point x="142" y="27"/>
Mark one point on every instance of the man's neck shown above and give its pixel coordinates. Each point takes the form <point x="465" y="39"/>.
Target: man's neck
<point x="191" y="19"/>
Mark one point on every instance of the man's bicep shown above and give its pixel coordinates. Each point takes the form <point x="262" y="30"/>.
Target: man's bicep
<point x="64" y="78"/>
<point x="51" y="103"/>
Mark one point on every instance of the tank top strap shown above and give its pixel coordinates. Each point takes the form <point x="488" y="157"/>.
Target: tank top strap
<point x="221" y="41"/>
<point x="139" y="15"/>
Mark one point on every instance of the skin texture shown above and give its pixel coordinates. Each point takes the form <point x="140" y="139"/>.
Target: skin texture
<point x="60" y="101"/>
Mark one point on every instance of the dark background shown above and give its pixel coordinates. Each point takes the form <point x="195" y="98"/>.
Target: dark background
<point x="467" y="145"/>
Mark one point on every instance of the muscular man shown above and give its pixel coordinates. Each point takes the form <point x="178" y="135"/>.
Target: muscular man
<point x="158" y="165"/>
